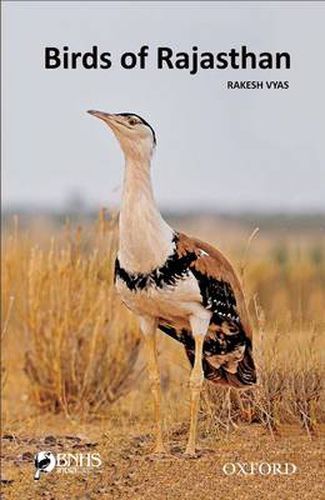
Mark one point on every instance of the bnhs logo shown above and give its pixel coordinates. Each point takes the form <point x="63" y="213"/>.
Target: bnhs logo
<point x="44" y="462"/>
<point x="66" y="463"/>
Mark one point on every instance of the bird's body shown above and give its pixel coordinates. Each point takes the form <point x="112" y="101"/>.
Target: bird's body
<point x="197" y="280"/>
<point x="176" y="283"/>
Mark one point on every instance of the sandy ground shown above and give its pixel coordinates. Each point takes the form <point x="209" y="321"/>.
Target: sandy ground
<point x="123" y="439"/>
<point x="129" y="471"/>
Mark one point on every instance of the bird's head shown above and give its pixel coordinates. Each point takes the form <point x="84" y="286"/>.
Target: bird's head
<point x="136" y="137"/>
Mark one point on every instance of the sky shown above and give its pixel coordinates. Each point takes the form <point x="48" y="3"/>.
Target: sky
<point x="218" y="149"/>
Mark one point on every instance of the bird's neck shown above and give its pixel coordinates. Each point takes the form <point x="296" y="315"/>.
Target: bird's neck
<point x="145" y="239"/>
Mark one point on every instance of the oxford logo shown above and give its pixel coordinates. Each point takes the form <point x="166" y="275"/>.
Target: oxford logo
<point x="261" y="468"/>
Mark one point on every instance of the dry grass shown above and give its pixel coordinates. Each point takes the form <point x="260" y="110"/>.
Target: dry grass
<point x="81" y="346"/>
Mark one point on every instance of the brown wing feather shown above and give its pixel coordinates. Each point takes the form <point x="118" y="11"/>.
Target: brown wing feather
<point x="216" y="265"/>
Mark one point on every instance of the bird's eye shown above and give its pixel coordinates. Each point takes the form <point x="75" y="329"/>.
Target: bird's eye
<point x="133" y="121"/>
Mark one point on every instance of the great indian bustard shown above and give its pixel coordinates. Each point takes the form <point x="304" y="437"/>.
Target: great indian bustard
<point x="178" y="284"/>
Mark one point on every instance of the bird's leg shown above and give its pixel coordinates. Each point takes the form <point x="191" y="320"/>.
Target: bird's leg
<point x="196" y="380"/>
<point x="199" y="329"/>
<point x="149" y="330"/>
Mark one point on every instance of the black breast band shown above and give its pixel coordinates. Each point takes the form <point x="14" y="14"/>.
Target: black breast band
<point x="174" y="269"/>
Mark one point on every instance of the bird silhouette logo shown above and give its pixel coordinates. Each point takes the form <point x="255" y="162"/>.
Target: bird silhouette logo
<point x="44" y="462"/>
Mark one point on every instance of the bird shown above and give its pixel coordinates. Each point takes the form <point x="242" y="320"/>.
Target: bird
<point x="176" y="283"/>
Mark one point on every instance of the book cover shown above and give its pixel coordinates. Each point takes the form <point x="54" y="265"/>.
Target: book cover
<point x="163" y="255"/>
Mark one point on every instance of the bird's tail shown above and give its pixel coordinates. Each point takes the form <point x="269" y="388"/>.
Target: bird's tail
<point x="244" y="376"/>
<point x="237" y="374"/>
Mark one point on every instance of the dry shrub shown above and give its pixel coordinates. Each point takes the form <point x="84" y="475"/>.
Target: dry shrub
<point x="285" y="394"/>
<point x="305" y="385"/>
<point x="82" y="344"/>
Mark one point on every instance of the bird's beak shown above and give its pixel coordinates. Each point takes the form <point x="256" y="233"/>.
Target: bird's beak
<point x="106" y="117"/>
<point x="110" y="119"/>
<point x="113" y="122"/>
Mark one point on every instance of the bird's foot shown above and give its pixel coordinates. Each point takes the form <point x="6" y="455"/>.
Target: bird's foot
<point x="160" y="456"/>
<point x="160" y="453"/>
<point x="190" y="452"/>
